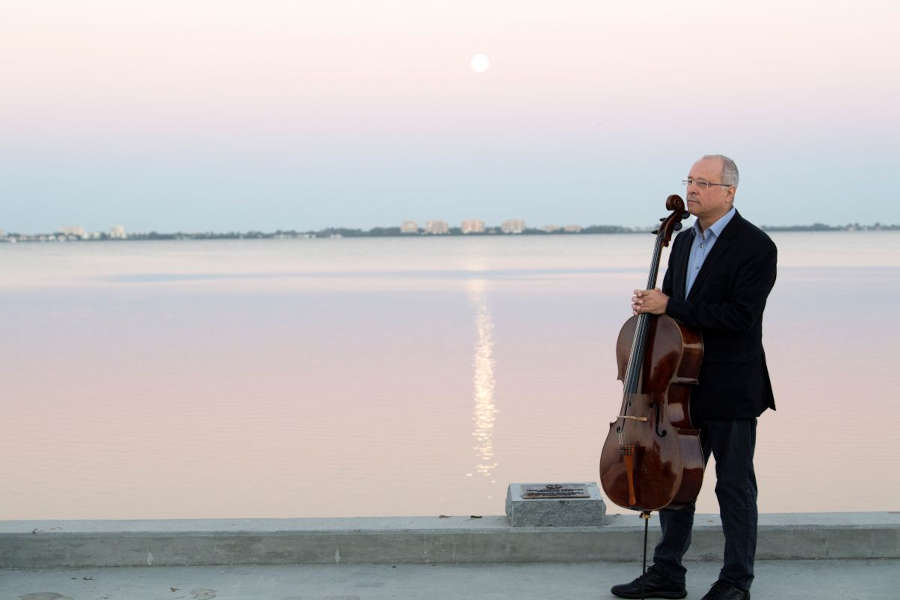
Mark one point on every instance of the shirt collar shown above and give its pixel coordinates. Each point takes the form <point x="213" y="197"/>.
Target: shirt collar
<point x="717" y="227"/>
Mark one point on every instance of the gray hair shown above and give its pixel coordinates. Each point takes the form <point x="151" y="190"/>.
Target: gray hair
<point x="729" y="169"/>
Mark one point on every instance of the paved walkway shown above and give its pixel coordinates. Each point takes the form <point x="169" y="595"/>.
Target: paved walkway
<point x="781" y="579"/>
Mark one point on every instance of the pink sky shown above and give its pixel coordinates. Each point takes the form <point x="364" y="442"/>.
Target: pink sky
<point x="184" y="81"/>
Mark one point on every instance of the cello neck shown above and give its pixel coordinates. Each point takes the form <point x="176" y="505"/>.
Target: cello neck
<point x="639" y="343"/>
<point x="654" y="263"/>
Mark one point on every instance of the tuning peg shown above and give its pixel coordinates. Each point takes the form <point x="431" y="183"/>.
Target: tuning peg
<point x="662" y="218"/>
<point x="677" y="226"/>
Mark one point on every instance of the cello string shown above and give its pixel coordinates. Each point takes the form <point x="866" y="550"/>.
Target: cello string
<point x="638" y="345"/>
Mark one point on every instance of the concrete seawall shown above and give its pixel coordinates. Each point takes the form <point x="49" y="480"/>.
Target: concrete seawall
<point x="422" y="540"/>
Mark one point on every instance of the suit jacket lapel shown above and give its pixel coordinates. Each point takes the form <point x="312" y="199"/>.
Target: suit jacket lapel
<point x="720" y="248"/>
<point x="679" y="278"/>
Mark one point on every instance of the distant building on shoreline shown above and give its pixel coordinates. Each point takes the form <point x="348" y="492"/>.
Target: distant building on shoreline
<point x="437" y="227"/>
<point x="409" y="227"/>
<point x="573" y="228"/>
<point x="117" y="232"/>
<point x="74" y="231"/>
<point x="513" y="226"/>
<point x="472" y="226"/>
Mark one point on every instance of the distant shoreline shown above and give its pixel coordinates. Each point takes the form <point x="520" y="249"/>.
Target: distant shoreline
<point x="381" y="232"/>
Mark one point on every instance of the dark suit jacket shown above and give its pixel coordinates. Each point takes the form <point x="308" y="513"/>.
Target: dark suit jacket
<point x="726" y="305"/>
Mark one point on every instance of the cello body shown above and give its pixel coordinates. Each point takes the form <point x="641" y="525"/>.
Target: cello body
<point x="652" y="458"/>
<point x="667" y="459"/>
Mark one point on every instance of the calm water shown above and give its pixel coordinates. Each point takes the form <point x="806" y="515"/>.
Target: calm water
<point x="400" y="376"/>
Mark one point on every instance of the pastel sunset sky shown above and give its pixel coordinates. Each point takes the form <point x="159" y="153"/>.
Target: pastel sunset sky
<point x="199" y="115"/>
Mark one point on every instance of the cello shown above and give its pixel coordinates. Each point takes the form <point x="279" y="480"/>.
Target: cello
<point x="652" y="458"/>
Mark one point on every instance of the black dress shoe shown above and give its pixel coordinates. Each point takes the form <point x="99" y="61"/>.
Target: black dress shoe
<point x="655" y="585"/>
<point x="722" y="590"/>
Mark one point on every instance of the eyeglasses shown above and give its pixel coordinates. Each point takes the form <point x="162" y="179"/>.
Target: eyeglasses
<point x="703" y="183"/>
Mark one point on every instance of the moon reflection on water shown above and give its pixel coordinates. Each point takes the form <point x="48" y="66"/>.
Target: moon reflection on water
<point x="484" y="408"/>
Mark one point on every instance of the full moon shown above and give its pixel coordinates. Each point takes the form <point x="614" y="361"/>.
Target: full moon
<point x="480" y="63"/>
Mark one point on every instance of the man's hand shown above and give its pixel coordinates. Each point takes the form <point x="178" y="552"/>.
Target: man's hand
<point x="649" y="301"/>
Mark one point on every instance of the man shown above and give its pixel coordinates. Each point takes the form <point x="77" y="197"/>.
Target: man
<point x="719" y="275"/>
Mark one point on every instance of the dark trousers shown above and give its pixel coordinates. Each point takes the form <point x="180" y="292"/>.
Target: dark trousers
<point x="732" y="443"/>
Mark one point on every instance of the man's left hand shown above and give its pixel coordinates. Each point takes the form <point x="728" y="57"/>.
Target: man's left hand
<point x="649" y="301"/>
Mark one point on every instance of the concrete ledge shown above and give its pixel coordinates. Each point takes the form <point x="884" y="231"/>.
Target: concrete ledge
<point x="423" y="540"/>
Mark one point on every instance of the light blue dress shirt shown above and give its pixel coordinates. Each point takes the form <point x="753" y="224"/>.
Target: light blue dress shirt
<point x="702" y="244"/>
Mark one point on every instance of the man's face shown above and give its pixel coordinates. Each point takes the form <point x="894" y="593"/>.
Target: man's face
<point x="713" y="202"/>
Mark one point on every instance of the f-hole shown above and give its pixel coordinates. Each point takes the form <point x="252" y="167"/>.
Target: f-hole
<point x="656" y="426"/>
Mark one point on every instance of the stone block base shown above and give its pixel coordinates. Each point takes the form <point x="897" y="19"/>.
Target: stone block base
<point x="555" y="505"/>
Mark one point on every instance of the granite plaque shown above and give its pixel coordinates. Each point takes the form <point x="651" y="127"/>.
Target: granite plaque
<point x="555" y="505"/>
